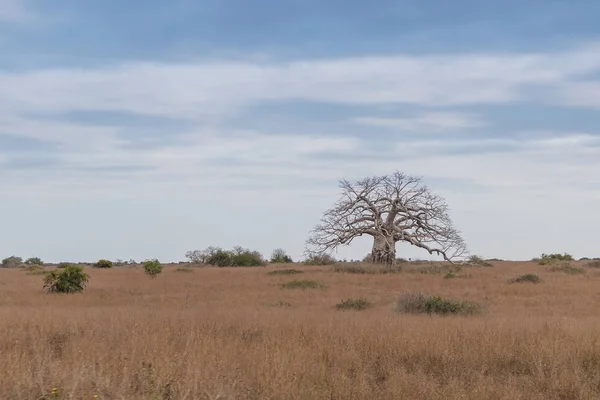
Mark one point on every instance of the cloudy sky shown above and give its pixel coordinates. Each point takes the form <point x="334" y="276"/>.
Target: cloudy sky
<point x="146" y="128"/>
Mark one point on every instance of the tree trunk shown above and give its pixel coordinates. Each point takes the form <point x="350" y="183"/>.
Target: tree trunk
<point x="384" y="250"/>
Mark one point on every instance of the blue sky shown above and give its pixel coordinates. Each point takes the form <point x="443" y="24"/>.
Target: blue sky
<point x="144" y="129"/>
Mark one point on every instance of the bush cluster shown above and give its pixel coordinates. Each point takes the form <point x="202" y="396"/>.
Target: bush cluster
<point x="552" y="258"/>
<point x="12" y="262"/>
<point x="421" y="303"/>
<point x="237" y="257"/>
<point x="104" y="264"/>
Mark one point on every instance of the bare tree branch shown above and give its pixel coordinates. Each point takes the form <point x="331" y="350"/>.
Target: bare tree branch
<point x="390" y="208"/>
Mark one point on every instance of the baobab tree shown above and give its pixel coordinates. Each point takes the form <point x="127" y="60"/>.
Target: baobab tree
<point x="390" y="208"/>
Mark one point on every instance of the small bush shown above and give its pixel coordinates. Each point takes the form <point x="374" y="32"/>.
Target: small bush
<point x="552" y="258"/>
<point x="12" y="262"/>
<point x="279" y="256"/>
<point x="320" y="259"/>
<point x="532" y="278"/>
<point x="34" y="269"/>
<point x="282" y="303"/>
<point x="103" y="264"/>
<point x="567" y="268"/>
<point x="71" y="279"/>
<point x="366" y="268"/>
<point x="288" y="271"/>
<point x="420" y="303"/>
<point x="183" y="269"/>
<point x="353" y="304"/>
<point x="63" y="264"/>
<point x="152" y="268"/>
<point x="303" y="284"/>
<point x="478" y="261"/>
<point x="450" y="275"/>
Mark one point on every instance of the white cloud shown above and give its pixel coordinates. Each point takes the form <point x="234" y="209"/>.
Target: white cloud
<point x="426" y="122"/>
<point x="194" y="90"/>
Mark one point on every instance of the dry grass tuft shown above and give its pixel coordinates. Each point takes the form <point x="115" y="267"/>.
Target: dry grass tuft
<point x="230" y="333"/>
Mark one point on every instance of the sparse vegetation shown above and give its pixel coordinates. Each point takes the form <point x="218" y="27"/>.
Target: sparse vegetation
<point x="237" y="257"/>
<point x="63" y="264"/>
<point x="366" y="268"/>
<point x="354" y="304"/>
<point x="593" y="264"/>
<point x="287" y="271"/>
<point x="184" y="269"/>
<point x="546" y="259"/>
<point x="244" y="324"/>
<point x="421" y="303"/>
<point x="530" y="278"/>
<point x="303" y="284"/>
<point x="282" y="304"/>
<point x="103" y="264"/>
<point x="279" y="256"/>
<point x="34" y="269"/>
<point x="320" y="259"/>
<point x="478" y="261"/>
<point x="152" y="268"/>
<point x="71" y="279"/>
<point x="567" y="268"/>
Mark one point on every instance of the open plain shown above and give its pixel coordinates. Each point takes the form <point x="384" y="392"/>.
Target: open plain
<point x="236" y="333"/>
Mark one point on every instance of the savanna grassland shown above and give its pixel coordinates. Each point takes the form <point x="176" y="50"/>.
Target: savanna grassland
<point x="237" y="333"/>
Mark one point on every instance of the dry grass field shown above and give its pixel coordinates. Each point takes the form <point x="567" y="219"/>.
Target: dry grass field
<point x="236" y="333"/>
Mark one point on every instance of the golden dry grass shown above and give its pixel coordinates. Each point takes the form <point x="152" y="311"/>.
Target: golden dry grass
<point x="220" y="334"/>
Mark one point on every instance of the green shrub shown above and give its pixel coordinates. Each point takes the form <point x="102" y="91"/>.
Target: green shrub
<point x="63" y="265"/>
<point x="152" y="268"/>
<point x="303" y="284"/>
<point x="288" y="271"/>
<point x="320" y="259"/>
<point x="238" y="257"/>
<point x="353" y="304"/>
<point x="420" y="303"/>
<point x="279" y="256"/>
<point x="366" y="268"/>
<point x="247" y="258"/>
<point x="552" y="258"/>
<point x="478" y="261"/>
<point x="71" y="279"/>
<point x="34" y="261"/>
<point x="567" y="268"/>
<point x="450" y="275"/>
<point x="532" y="278"/>
<point x="103" y="264"/>
<point x="12" y="262"/>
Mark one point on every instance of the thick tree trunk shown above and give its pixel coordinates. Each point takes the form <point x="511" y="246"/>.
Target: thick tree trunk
<point x="384" y="250"/>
